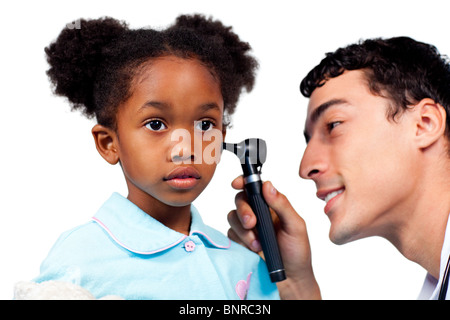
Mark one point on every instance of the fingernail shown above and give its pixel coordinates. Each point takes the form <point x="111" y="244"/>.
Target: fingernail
<point x="273" y="191"/>
<point x="245" y="218"/>
<point x="256" y="245"/>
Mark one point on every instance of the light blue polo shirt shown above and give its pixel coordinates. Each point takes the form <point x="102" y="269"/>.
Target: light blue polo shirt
<point x="124" y="251"/>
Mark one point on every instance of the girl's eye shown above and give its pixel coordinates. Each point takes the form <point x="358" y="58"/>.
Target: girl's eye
<point x="156" y="125"/>
<point x="204" y="125"/>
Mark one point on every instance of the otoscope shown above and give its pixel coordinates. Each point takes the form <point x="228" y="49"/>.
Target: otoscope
<point x="252" y="154"/>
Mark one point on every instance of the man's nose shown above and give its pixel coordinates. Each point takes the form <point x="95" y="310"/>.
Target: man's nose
<point x="314" y="161"/>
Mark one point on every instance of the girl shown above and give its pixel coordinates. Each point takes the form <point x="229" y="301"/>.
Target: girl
<point x="143" y="86"/>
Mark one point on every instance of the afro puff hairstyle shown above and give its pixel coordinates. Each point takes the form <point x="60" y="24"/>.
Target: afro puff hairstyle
<point x="94" y="65"/>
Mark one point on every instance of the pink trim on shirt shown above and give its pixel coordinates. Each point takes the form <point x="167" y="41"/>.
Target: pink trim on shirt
<point x="243" y="286"/>
<point x="210" y="240"/>
<point x="132" y="250"/>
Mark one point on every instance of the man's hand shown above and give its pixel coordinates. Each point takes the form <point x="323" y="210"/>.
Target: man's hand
<point x="291" y="235"/>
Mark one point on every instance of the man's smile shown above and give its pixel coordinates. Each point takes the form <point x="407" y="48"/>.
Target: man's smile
<point x="330" y="196"/>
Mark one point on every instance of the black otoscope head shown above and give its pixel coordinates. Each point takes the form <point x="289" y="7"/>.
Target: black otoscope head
<point x="251" y="152"/>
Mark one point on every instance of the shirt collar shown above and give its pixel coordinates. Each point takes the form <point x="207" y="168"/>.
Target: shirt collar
<point x="136" y="231"/>
<point x="431" y="286"/>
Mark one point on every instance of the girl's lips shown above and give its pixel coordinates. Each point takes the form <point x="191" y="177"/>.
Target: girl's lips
<point x="183" y="183"/>
<point x="183" y="178"/>
<point x="183" y="173"/>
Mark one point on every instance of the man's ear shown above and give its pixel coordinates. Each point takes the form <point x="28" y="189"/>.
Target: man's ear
<point x="106" y="143"/>
<point x="430" y="122"/>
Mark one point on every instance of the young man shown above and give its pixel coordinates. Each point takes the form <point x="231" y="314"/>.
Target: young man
<point x="378" y="150"/>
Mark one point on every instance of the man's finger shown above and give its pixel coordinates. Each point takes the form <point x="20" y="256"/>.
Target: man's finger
<point x="290" y="221"/>
<point x="238" y="233"/>
<point x="244" y="211"/>
<point x="238" y="183"/>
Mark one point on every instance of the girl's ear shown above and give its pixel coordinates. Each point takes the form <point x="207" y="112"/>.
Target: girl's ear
<point x="106" y="143"/>
<point x="224" y="133"/>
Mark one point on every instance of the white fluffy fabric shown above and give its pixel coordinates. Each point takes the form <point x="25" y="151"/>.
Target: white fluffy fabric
<point x="54" y="290"/>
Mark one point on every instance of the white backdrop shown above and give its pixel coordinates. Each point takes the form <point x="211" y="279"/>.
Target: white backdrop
<point x="52" y="178"/>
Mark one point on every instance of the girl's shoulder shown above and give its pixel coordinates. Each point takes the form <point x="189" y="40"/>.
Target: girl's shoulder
<point x="81" y="238"/>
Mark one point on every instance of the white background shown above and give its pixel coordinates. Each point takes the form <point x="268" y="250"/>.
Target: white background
<point x="52" y="178"/>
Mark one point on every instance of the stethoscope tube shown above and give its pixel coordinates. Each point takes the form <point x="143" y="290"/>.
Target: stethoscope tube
<point x="444" y="285"/>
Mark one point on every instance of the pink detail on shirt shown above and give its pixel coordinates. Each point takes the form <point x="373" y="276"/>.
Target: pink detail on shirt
<point x="132" y="250"/>
<point x="242" y="287"/>
<point x="210" y="240"/>
<point x="189" y="246"/>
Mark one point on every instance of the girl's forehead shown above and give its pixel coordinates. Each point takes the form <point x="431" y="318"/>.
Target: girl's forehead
<point x="167" y="67"/>
<point x="175" y="81"/>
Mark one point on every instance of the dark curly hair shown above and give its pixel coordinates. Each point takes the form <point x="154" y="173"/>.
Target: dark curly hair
<point x="94" y="65"/>
<point x="401" y="69"/>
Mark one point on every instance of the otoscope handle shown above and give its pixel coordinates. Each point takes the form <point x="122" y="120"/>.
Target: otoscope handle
<point x="266" y="231"/>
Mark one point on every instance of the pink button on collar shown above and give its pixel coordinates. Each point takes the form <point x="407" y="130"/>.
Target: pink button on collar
<point x="189" y="246"/>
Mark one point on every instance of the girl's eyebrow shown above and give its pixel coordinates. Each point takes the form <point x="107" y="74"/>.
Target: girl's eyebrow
<point x="210" y="105"/>
<point x="162" y="105"/>
<point x="153" y="104"/>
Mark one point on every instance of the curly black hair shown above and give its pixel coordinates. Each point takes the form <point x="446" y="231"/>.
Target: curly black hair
<point x="400" y="68"/>
<point x="94" y="65"/>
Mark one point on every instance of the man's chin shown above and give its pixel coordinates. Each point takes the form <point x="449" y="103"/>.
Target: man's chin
<point x="341" y="235"/>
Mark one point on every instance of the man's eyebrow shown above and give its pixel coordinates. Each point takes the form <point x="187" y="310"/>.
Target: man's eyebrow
<point x="315" y="115"/>
<point x="323" y="107"/>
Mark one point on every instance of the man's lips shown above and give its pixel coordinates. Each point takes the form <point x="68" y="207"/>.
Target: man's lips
<point x="330" y="196"/>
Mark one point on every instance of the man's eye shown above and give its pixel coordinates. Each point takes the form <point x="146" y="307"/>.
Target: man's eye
<point x="156" y="125"/>
<point x="204" y="125"/>
<point x="333" y="125"/>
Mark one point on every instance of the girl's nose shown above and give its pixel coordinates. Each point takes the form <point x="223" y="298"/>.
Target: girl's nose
<point x="183" y="158"/>
<point x="182" y="147"/>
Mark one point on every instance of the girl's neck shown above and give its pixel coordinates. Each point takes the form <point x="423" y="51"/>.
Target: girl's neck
<point x="175" y="218"/>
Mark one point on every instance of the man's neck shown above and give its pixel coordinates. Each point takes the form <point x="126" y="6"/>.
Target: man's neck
<point x="420" y="236"/>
